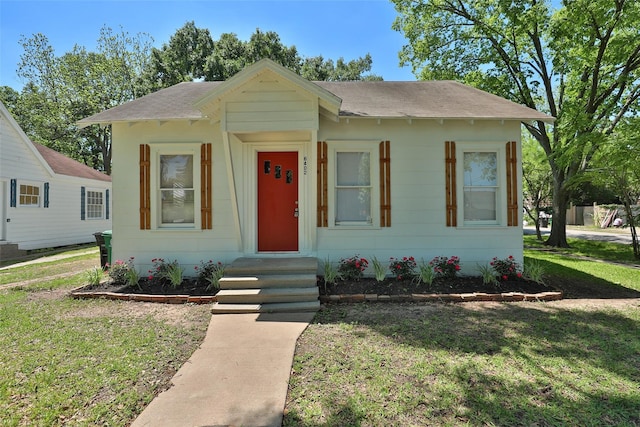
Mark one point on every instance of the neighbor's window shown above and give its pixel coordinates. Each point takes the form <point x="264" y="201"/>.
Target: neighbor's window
<point x="95" y="204"/>
<point x="176" y="189"/>
<point x="480" y="187"/>
<point x="353" y="188"/>
<point x="29" y="195"/>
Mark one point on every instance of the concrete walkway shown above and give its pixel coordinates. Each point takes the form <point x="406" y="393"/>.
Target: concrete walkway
<point x="238" y="377"/>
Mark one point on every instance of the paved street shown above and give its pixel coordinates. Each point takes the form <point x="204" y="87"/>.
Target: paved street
<point x="608" y="235"/>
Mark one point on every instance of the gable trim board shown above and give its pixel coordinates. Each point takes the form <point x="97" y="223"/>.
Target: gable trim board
<point x="268" y="109"/>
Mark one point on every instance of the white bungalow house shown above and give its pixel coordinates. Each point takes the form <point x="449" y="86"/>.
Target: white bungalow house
<point x="270" y="165"/>
<point x="46" y="198"/>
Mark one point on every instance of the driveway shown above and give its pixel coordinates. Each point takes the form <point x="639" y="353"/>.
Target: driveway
<point x="615" y="235"/>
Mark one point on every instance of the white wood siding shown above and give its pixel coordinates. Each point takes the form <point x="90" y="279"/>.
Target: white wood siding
<point x="39" y="227"/>
<point x="267" y="105"/>
<point x="187" y="246"/>
<point x="418" y="196"/>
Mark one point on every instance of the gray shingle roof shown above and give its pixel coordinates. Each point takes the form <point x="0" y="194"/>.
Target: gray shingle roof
<point x="380" y="99"/>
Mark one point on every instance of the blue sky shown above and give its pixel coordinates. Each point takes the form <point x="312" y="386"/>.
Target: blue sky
<point x="333" y="29"/>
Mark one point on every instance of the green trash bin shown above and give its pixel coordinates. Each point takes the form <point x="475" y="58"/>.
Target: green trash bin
<point x="106" y="235"/>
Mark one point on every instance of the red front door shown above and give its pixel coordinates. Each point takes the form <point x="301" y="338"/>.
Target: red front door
<point x="277" y="201"/>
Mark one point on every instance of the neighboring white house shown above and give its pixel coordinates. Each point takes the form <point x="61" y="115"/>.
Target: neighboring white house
<point x="270" y="164"/>
<point x="46" y="198"/>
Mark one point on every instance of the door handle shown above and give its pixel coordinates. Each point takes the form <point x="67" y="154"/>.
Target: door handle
<point x="296" y="213"/>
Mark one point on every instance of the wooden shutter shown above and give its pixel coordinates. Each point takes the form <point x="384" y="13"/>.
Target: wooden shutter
<point x="385" y="184"/>
<point x="145" y="190"/>
<point x="13" y="200"/>
<point x="323" y="211"/>
<point x="512" y="184"/>
<point x="205" y="186"/>
<point x="83" y="203"/>
<point x="106" y="197"/>
<point x="452" y="208"/>
<point x="46" y="195"/>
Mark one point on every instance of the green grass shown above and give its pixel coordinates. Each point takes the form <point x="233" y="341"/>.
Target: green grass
<point x="512" y="364"/>
<point x="480" y="364"/>
<point x="50" y="268"/>
<point x="606" y="251"/>
<point x="86" y="362"/>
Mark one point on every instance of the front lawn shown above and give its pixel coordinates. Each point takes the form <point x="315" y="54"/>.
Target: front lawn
<point x="571" y="362"/>
<point x="86" y="362"/>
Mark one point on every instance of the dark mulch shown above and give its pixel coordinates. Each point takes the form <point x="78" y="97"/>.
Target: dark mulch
<point x="440" y="286"/>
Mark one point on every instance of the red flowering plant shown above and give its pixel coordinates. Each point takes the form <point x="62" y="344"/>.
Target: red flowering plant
<point x="506" y="269"/>
<point x="403" y="269"/>
<point x="210" y="273"/>
<point x="352" y="268"/>
<point x="445" y="267"/>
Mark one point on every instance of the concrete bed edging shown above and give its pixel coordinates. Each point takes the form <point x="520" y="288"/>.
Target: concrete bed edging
<point x="460" y="297"/>
<point x="328" y="299"/>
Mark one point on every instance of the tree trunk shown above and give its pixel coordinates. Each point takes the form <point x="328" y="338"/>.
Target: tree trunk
<point x="631" y="222"/>
<point x="558" y="235"/>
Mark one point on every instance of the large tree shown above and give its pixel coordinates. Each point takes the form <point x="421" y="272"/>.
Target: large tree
<point x="192" y="54"/>
<point x="579" y="62"/>
<point x="60" y="90"/>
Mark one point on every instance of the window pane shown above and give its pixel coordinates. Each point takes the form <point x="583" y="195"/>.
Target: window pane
<point x="353" y="169"/>
<point x="353" y="204"/>
<point x="178" y="206"/>
<point x="94" y="204"/>
<point x="176" y="171"/>
<point x="480" y="204"/>
<point x="480" y="169"/>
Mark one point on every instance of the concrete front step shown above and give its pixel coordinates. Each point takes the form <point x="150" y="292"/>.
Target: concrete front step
<point x="266" y="295"/>
<point x="269" y="281"/>
<point x="266" y="266"/>
<point x="286" y="307"/>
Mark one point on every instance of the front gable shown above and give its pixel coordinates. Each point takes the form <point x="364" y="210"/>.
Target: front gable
<point x="267" y="97"/>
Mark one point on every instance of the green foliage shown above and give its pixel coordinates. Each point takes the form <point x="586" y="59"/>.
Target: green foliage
<point x="533" y="270"/>
<point x="379" y="270"/>
<point x="426" y="273"/>
<point x="352" y="268"/>
<point x="94" y="276"/>
<point x="488" y="275"/>
<point x="330" y="273"/>
<point x="210" y="272"/>
<point x="403" y="269"/>
<point x="124" y="272"/>
<point x="444" y="267"/>
<point x="61" y="90"/>
<point x="166" y="272"/>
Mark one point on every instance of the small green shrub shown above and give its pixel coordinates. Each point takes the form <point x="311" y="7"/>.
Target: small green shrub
<point x="124" y="272"/>
<point x="352" y="268"/>
<point x="403" y="269"/>
<point x="330" y="273"/>
<point x="488" y="275"/>
<point x="426" y="274"/>
<point x="379" y="270"/>
<point x="534" y="271"/>
<point x="94" y="276"/>
<point x="210" y="273"/>
<point x="166" y="272"/>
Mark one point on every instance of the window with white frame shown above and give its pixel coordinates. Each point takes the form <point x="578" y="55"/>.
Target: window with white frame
<point x="95" y="204"/>
<point x="29" y="195"/>
<point x="176" y="191"/>
<point x="481" y="194"/>
<point x="354" y="177"/>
